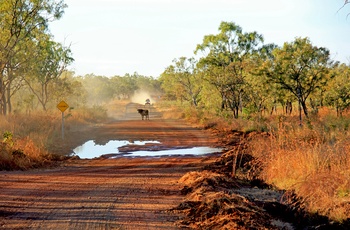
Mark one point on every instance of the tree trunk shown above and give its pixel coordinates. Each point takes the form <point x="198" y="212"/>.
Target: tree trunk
<point x="303" y="104"/>
<point x="8" y="100"/>
<point x="3" y="103"/>
<point x="194" y="101"/>
<point x="2" y="98"/>
<point x="235" y="112"/>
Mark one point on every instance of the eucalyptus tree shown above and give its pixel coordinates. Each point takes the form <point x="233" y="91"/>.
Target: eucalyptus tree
<point x="50" y="61"/>
<point x="20" y="22"/>
<point x="338" y="92"/>
<point x="260" y="95"/>
<point x="171" y="90"/>
<point x="299" y="68"/>
<point x="13" y="79"/>
<point x="226" y="60"/>
<point x="183" y="80"/>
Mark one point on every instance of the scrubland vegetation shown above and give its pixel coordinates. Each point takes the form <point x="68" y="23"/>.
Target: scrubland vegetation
<point x="28" y="141"/>
<point x="294" y="99"/>
<point x="310" y="162"/>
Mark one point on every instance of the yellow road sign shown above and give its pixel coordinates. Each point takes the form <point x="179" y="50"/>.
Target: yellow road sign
<point x="63" y="106"/>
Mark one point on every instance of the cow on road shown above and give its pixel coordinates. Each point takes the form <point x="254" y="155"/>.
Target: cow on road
<point x="144" y="113"/>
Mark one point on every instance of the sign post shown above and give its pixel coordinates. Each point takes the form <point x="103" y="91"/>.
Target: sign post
<point x="63" y="106"/>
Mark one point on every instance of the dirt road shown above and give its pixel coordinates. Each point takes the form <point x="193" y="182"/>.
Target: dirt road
<point x="121" y="193"/>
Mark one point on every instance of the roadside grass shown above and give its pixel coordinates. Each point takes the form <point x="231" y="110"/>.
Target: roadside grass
<point x="25" y="139"/>
<point x="28" y="135"/>
<point x="171" y="110"/>
<point x="312" y="161"/>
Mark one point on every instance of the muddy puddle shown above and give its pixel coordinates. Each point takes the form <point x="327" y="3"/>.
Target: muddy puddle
<point x="124" y="148"/>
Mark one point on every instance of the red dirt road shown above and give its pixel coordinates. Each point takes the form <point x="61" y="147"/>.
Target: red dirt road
<point x="121" y="193"/>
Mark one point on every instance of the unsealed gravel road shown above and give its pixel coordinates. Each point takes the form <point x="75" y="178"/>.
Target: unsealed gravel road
<point x="121" y="193"/>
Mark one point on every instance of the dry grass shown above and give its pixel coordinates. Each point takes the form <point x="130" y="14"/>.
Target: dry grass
<point x="170" y="110"/>
<point x="312" y="160"/>
<point x="32" y="135"/>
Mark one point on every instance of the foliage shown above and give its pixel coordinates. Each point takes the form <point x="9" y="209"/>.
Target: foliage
<point x="182" y="80"/>
<point x="8" y="138"/>
<point x="237" y="72"/>
<point x="299" y="68"/>
<point x="23" y="24"/>
<point x="226" y="62"/>
<point x="51" y="60"/>
<point x="338" y="93"/>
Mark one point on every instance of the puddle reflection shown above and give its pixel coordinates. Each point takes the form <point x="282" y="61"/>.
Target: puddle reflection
<point x="176" y="152"/>
<point x="91" y="150"/>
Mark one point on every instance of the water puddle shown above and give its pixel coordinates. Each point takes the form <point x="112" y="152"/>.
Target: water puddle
<point x="112" y="149"/>
<point x="176" y="152"/>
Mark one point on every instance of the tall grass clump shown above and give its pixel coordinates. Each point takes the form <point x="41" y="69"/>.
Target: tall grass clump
<point x="312" y="160"/>
<point x="21" y="154"/>
<point x="25" y="138"/>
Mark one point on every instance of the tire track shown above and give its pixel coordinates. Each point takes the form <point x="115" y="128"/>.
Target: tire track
<point x="95" y="194"/>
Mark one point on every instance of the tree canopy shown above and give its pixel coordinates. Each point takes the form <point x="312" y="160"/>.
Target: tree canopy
<point x="182" y="80"/>
<point x="226" y="62"/>
<point x="300" y="68"/>
<point x="23" y="23"/>
<point x="239" y="73"/>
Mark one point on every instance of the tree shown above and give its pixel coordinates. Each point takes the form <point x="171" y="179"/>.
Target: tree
<point x="51" y="60"/>
<point x="125" y="86"/>
<point x="338" y="93"/>
<point x="68" y="88"/>
<point x="183" y="80"/>
<point x="300" y="68"/>
<point x="99" y="89"/>
<point x="148" y="84"/>
<point x="20" y="23"/>
<point x="226" y="60"/>
<point x="259" y="97"/>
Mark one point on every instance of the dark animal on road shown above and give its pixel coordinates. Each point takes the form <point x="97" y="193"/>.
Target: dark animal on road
<point x="144" y="113"/>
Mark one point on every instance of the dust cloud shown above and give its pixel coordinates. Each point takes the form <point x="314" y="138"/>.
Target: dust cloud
<point x="140" y="97"/>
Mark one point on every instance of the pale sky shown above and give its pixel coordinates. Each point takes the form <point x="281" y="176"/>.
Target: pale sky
<point x="115" y="37"/>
